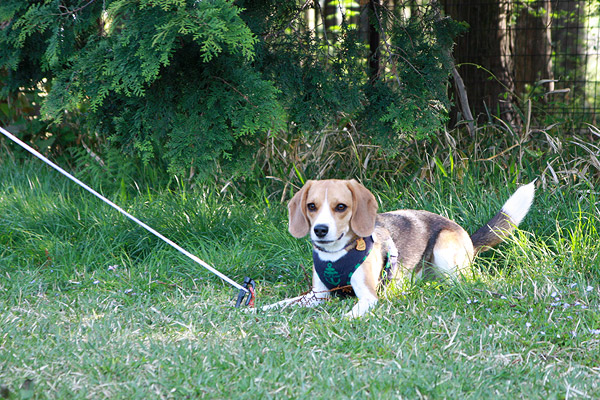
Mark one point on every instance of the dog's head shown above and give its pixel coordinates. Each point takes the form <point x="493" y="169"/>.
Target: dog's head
<point x="333" y="211"/>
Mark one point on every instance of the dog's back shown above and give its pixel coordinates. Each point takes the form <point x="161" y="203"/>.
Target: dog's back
<point x="417" y="234"/>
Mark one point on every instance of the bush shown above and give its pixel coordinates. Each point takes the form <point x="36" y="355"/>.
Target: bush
<point x="201" y="84"/>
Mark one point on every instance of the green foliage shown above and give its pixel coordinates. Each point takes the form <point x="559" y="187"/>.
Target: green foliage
<point x="201" y="85"/>
<point x="172" y="77"/>
<point x="412" y="101"/>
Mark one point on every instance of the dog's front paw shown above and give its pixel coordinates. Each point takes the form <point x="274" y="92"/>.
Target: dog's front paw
<point x="360" y="309"/>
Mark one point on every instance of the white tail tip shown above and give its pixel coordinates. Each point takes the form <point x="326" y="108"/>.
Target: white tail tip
<point x="517" y="206"/>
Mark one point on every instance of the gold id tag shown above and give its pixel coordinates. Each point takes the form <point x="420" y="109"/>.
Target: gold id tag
<point x="360" y="244"/>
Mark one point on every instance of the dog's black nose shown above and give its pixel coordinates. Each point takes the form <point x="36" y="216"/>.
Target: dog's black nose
<point x="321" y="230"/>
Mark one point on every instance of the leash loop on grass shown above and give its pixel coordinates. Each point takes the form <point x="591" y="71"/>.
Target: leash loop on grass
<point x="125" y="213"/>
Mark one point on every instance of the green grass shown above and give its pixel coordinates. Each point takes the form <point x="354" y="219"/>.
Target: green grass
<point x="91" y="306"/>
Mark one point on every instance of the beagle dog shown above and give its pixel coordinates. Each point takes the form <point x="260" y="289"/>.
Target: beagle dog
<point x="355" y="249"/>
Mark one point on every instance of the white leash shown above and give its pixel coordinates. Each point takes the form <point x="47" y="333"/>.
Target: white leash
<point x="119" y="209"/>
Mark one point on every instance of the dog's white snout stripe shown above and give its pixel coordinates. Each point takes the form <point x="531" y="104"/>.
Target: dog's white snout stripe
<point x="324" y="224"/>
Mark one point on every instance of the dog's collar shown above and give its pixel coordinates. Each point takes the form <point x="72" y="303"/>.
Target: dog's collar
<point x="359" y="244"/>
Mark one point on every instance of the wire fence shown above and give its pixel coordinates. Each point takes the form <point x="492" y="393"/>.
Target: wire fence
<point x="546" y="50"/>
<point x="513" y="51"/>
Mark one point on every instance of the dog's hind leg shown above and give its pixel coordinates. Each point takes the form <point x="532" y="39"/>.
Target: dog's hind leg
<point x="452" y="254"/>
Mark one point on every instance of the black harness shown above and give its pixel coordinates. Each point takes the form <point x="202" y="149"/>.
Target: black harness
<point x="337" y="274"/>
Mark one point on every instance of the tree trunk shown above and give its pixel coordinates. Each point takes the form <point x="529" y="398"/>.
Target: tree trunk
<point x="570" y="36"/>
<point x="484" y="52"/>
<point x="374" y="40"/>
<point x="330" y="17"/>
<point x="532" y="51"/>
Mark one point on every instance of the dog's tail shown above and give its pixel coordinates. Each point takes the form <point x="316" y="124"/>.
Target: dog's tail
<point x="507" y="219"/>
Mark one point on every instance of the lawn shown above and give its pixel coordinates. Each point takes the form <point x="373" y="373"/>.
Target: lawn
<point x="92" y="306"/>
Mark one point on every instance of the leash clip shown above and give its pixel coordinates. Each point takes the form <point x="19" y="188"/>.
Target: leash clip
<point x="250" y="286"/>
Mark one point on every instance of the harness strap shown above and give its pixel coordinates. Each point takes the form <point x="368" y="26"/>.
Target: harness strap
<point x="335" y="274"/>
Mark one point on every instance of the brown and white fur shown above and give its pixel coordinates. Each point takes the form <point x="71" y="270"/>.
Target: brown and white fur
<point x="337" y="212"/>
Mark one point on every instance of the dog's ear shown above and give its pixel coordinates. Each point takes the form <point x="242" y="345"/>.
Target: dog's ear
<point x="298" y="222"/>
<point x="364" y="209"/>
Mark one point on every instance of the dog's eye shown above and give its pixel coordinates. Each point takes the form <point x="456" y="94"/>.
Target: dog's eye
<point x="311" y="206"/>
<point x="341" y="207"/>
